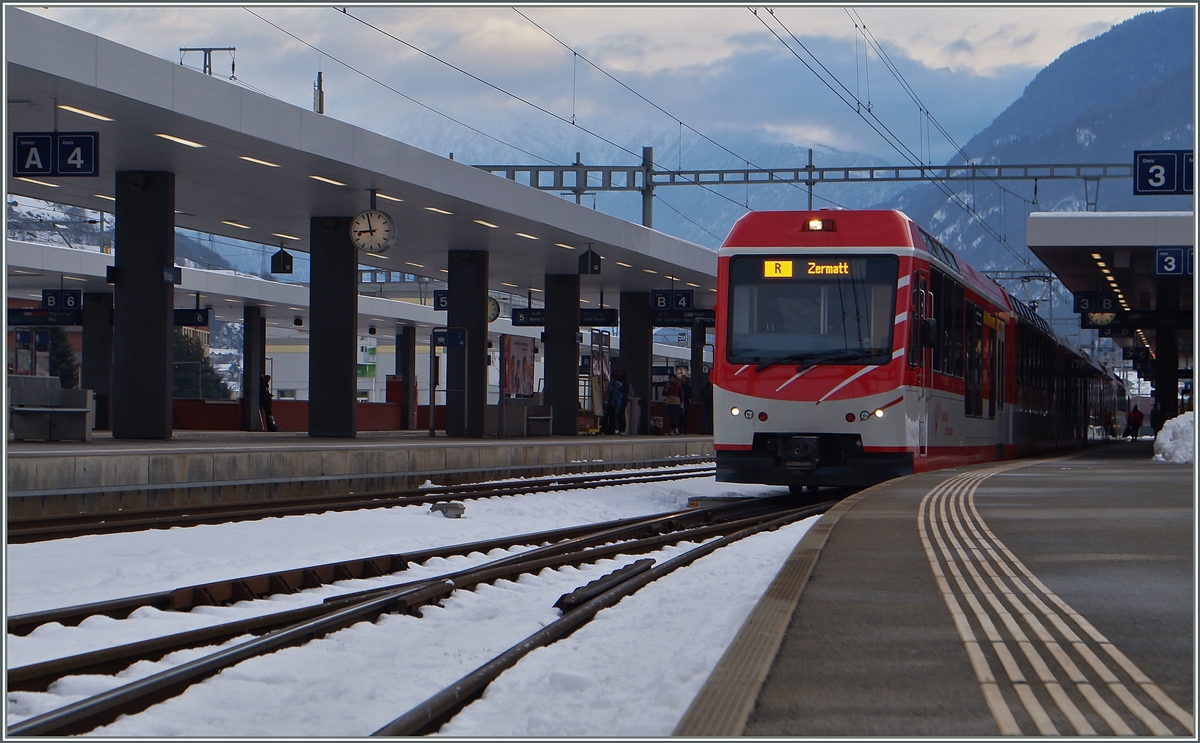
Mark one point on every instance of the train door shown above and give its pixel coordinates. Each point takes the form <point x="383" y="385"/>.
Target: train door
<point x="920" y="355"/>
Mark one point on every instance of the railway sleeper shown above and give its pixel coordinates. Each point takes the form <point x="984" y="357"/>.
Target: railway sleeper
<point x="87" y="714"/>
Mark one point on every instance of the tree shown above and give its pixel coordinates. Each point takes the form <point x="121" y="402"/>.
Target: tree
<point x="194" y="374"/>
<point x="62" y="358"/>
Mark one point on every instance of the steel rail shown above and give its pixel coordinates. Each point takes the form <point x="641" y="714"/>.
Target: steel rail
<point x="263" y="585"/>
<point x="61" y="527"/>
<point x="87" y="714"/>
<point x="431" y="714"/>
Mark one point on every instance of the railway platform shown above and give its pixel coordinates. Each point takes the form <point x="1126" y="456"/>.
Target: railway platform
<point x="197" y="468"/>
<point x="1048" y="596"/>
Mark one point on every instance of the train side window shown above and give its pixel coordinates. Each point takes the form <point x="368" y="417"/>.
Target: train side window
<point x="956" y="336"/>
<point x="939" y="337"/>
<point x="973" y="399"/>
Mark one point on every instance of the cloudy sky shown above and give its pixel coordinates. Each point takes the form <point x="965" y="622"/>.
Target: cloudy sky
<point x="726" y="73"/>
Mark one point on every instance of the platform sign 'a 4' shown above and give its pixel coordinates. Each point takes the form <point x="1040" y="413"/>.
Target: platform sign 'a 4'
<point x="71" y="154"/>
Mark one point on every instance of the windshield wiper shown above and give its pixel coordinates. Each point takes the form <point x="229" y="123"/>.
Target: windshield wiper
<point x="809" y="360"/>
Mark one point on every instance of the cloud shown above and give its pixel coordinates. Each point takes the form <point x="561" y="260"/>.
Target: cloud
<point x="713" y="68"/>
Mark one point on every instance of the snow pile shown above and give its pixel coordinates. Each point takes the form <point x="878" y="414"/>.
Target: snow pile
<point x="1176" y="441"/>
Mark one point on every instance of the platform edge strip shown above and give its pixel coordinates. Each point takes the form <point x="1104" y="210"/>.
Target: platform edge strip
<point x="724" y="703"/>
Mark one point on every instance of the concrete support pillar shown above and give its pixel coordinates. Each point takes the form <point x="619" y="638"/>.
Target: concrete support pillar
<point x="142" y="306"/>
<point x="333" y="337"/>
<point x="561" y="359"/>
<point x="1166" y="349"/>
<point x="96" y="374"/>
<point x="468" y="278"/>
<point x="1166" y="373"/>
<point x="253" y="351"/>
<point x="637" y="350"/>
<point x="406" y="375"/>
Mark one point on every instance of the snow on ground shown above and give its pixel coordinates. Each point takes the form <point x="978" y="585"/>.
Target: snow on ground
<point x="1176" y="442"/>
<point x="632" y="671"/>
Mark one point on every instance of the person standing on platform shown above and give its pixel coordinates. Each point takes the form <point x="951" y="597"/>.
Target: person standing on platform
<point x="623" y="411"/>
<point x="1157" y="418"/>
<point x="264" y="403"/>
<point x="673" y="396"/>
<point x="1135" y="423"/>
<point x="612" y="407"/>
<point x="685" y="382"/>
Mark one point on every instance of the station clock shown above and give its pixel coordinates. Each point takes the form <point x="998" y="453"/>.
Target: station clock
<point x="372" y="231"/>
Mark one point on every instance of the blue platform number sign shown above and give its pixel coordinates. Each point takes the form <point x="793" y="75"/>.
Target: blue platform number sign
<point x="441" y="299"/>
<point x="33" y="154"/>
<point x="68" y="154"/>
<point x="1168" y="172"/>
<point x="1084" y="302"/>
<point x="668" y="299"/>
<point x="1173" y="261"/>
<point x="62" y="299"/>
<point x="76" y="154"/>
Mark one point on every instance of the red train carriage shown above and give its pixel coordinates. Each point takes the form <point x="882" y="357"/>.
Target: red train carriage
<point x="852" y="347"/>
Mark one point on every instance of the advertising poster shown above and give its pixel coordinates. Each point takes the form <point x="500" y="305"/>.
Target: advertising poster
<point x="517" y="357"/>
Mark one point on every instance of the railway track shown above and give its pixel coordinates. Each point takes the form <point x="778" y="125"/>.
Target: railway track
<point x="62" y="527"/>
<point x="298" y="626"/>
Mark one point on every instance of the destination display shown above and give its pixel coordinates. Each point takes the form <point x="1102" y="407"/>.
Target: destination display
<point x="18" y="316"/>
<point x="681" y="318"/>
<point x="779" y="269"/>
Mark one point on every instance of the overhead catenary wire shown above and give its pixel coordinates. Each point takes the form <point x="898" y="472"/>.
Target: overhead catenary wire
<point x="660" y="109"/>
<point x="912" y="94"/>
<point x="405" y="96"/>
<point x="681" y="214"/>
<point x="880" y="128"/>
<point x="516" y="97"/>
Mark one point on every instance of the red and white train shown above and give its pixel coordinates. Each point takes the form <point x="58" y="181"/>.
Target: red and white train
<point x="853" y="347"/>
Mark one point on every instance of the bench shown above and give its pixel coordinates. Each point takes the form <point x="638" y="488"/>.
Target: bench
<point x="521" y="418"/>
<point x="40" y="409"/>
<point x="538" y="419"/>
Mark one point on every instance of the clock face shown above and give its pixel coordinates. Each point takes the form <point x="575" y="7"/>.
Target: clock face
<point x="1101" y="318"/>
<point x="493" y="309"/>
<point x="372" y="231"/>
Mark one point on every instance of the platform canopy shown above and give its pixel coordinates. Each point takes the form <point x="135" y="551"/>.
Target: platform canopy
<point x="1086" y="249"/>
<point x="254" y="168"/>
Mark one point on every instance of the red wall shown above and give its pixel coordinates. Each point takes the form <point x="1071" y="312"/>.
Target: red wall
<point x="291" y="415"/>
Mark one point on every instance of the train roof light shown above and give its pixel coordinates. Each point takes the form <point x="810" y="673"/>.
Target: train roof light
<point x="821" y="225"/>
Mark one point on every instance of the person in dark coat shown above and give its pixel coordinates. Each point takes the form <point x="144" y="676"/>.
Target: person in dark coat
<point x="673" y="396"/>
<point x="264" y="402"/>
<point x="1135" y="423"/>
<point x="623" y="410"/>
<point x="1158" y="417"/>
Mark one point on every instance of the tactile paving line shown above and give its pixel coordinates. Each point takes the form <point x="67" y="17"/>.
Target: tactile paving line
<point x="725" y="702"/>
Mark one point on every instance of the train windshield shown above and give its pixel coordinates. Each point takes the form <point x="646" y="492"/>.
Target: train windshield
<point x="811" y="309"/>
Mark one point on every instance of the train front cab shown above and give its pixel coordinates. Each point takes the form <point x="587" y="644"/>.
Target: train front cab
<point x="831" y="407"/>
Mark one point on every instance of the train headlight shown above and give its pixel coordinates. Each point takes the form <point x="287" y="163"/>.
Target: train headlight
<point x="879" y="413"/>
<point x="735" y="411"/>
